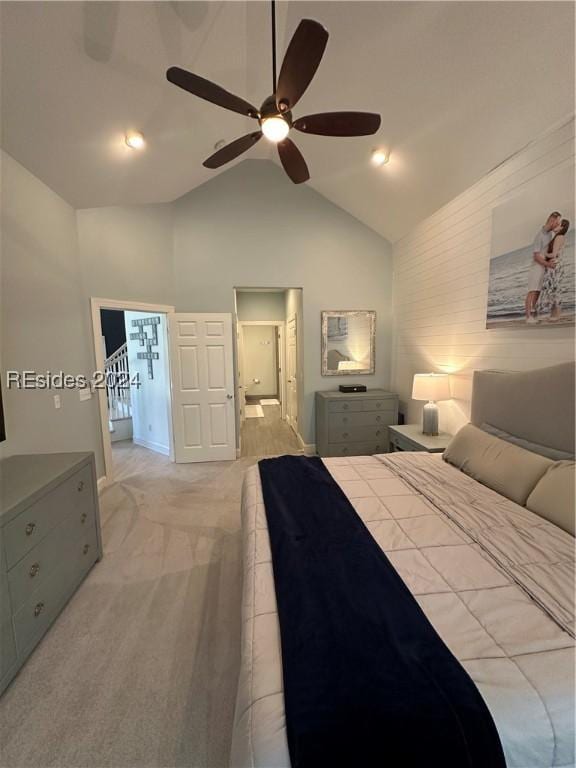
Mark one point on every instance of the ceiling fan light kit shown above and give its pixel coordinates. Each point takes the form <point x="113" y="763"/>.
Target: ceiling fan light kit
<point x="300" y="63"/>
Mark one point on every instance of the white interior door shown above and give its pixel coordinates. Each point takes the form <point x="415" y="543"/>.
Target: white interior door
<point x="292" y="373"/>
<point x="202" y="387"/>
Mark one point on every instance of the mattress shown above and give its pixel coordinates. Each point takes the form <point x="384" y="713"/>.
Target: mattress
<point x="495" y="580"/>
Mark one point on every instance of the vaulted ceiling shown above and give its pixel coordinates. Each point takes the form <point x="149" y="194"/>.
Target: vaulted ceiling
<point x="460" y="86"/>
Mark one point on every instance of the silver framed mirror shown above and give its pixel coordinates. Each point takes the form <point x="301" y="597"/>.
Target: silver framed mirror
<point x="348" y="342"/>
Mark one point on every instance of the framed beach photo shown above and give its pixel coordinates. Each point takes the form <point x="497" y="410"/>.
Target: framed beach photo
<point x="532" y="268"/>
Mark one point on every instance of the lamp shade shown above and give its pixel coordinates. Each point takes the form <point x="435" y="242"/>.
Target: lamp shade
<point x="431" y="386"/>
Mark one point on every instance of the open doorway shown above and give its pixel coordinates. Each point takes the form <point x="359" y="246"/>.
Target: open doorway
<point x="132" y="353"/>
<point x="268" y="370"/>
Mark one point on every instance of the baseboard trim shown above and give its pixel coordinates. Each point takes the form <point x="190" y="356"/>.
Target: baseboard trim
<point x="152" y="446"/>
<point x="102" y="483"/>
<point x="308" y="448"/>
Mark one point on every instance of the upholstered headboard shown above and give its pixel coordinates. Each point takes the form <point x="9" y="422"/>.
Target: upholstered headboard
<point x="537" y="406"/>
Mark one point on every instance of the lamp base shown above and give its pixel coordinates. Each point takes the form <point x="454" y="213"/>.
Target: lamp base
<point x="430" y="419"/>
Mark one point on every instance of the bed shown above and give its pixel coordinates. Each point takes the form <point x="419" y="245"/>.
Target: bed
<point x="494" y="579"/>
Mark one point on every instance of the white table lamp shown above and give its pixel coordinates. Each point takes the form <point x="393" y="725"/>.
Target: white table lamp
<point x="431" y="387"/>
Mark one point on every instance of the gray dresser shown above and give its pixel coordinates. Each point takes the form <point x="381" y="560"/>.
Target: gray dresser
<point x="354" y="424"/>
<point x="49" y="540"/>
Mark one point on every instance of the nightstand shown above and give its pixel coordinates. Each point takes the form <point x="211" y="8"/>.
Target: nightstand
<point x="409" y="437"/>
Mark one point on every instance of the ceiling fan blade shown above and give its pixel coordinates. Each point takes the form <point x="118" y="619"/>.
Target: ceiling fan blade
<point x="232" y="150"/>
<point x="209" y="91"/>
<point x="301" y="61"/>
<point x="339" y="124"/>
<point x="292" y="161"/>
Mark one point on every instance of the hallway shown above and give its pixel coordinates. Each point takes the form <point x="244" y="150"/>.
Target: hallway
<point x="268" y="436"/>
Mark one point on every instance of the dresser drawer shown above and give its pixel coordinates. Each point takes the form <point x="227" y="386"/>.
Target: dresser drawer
<point x="363" y="419"/>
<point x="37" y="566"/>
<point x="336" y="406"/>
<point x="38" y="612"/>
<point x="32" y="525"/>
<point x="347" y="434"/>
<point x="379" y="405"/>
<point x="357" y="449"/>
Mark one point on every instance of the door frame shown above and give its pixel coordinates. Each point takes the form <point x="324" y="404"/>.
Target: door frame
<point x="96" y="304"/>
<point x="295" y="427"/>
<point x="281" y="352"/>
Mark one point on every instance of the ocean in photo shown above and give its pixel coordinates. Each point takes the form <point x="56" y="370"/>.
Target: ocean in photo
<point x="509" y="279"/>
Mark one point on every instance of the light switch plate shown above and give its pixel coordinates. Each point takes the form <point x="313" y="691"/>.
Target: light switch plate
<point x="57" y="401"/>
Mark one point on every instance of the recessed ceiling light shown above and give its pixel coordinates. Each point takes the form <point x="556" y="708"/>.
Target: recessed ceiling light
<point x="380" y="157"/>
<point x="135" y="140"/>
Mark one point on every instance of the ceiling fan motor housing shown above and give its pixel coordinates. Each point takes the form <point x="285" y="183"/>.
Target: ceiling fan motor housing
<point x="270" y="109"/>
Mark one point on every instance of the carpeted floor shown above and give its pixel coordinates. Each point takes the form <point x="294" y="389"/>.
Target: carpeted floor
<point x="141" y="667"/>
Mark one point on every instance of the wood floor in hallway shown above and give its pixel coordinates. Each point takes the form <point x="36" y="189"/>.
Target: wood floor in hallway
<point x="269" y="436"/>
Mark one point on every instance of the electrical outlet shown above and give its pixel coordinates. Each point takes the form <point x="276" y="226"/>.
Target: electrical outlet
<point x="57" y="401"/>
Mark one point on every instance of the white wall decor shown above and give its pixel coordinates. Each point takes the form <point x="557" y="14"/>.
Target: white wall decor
<point x="150" y="397"/>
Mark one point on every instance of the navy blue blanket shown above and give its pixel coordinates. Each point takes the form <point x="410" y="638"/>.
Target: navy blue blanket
<point x="367" y="681"/>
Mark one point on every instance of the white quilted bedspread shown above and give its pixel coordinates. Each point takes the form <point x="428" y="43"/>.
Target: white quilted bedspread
<point x="495" y="580"/>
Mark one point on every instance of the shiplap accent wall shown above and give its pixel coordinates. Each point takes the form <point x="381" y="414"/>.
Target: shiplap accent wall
<point x="441" y="284"/>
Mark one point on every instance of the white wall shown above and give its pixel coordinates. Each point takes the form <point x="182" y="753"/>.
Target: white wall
<point x="252" y="226"/>
<point x="441" y="283"/>
<point x="151" y="417"/>
<point x="260" y="360"/>
<point x="248" y="227"/>
<point x="44" y="318"/>
<point x="260" y="305"/>
<point x="126" y="252"/>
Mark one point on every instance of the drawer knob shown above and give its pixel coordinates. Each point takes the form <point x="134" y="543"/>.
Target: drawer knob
<point x="377" y="418"/>
<point x="378" y="405"/>
<point x="81" y="485"/>
<point x="34" y="569"/>
<point x="377" y="447"/>
<point x="344" y="450"/>
<point x="85" y="548"/>
<point x="377" y="433"/>
<point x="83" y="517"/>
<point x="344" y="434"/>
<point x="345" y="407"/>
<point x="30" y="529"/>
<point x="38" y="608"/>
<point x="345" y="419"/>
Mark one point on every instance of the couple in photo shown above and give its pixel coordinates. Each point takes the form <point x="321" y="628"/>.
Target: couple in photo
<point x="546" y="276"/>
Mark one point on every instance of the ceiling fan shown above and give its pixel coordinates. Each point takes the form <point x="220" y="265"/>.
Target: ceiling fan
<point x="300" y="63"/>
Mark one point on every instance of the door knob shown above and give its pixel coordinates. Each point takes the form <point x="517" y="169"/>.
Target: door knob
<point x="229" y="397"/>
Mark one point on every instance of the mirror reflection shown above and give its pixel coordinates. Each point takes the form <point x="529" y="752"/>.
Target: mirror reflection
<point x="348" y="342"/>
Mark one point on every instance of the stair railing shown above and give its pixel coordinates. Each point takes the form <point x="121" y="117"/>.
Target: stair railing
<point x="117" y="384"/>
